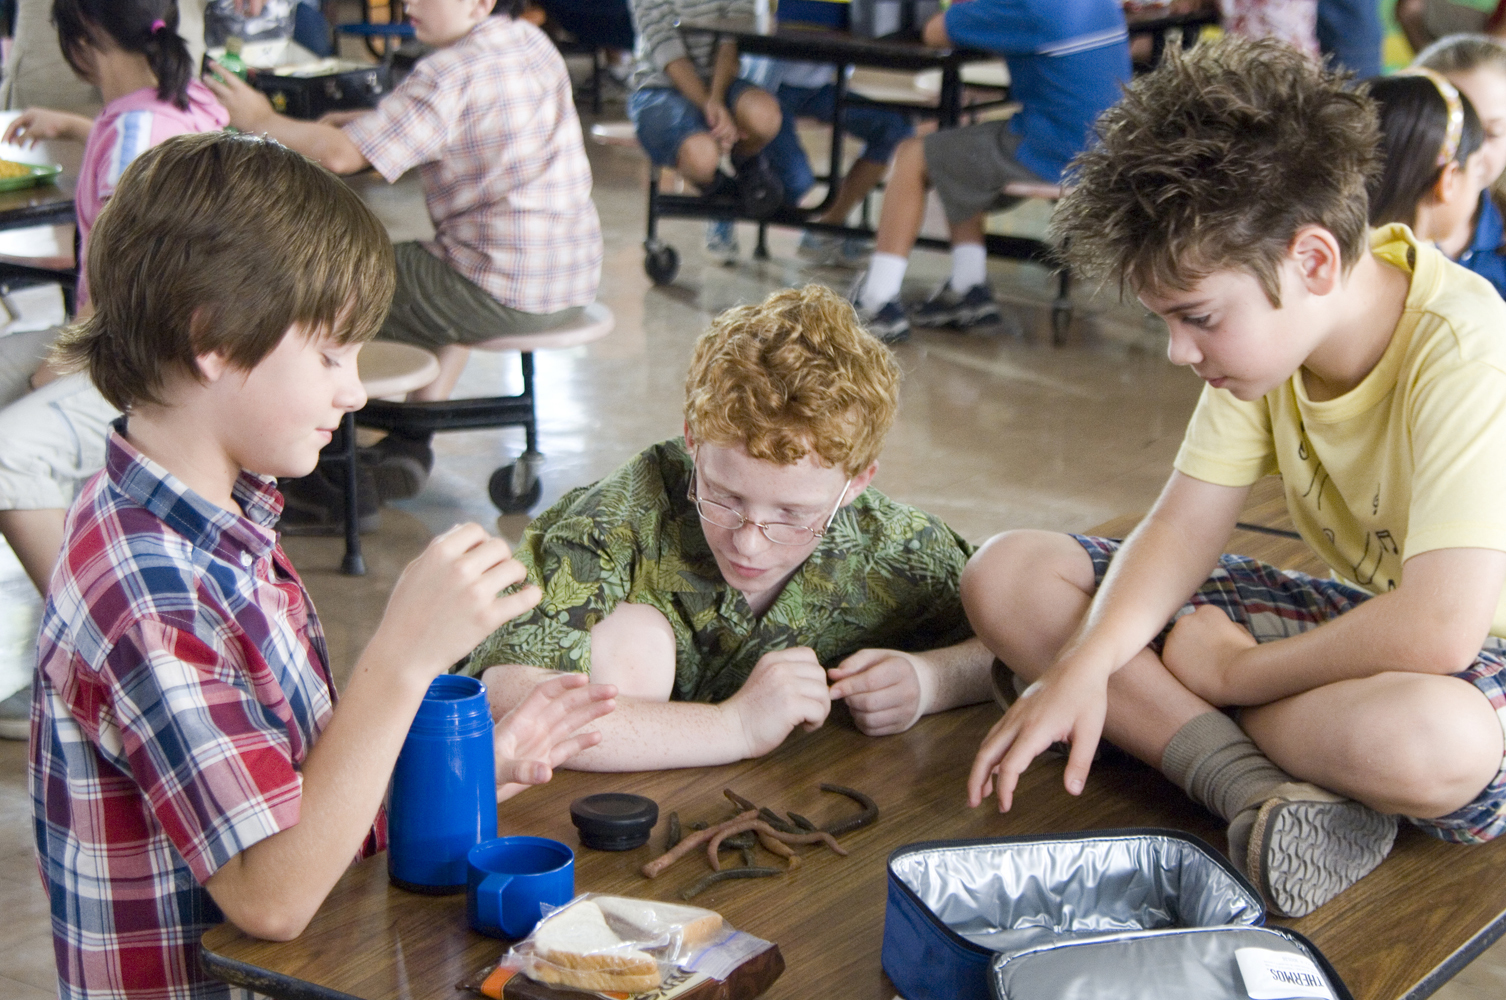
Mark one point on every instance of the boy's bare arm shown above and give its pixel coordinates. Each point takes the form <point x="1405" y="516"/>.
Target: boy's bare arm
<point x="250" y="111"/>
<point x="445" y="600"/>
<point x="888" y="690"/>
<point x="1162" y="562"/>
<point x="1434" y="623"/>
<point x="787" y="688"/>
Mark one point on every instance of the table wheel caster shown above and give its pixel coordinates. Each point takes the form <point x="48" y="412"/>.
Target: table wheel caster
<point x="512" y="497"/>
<point x="662" y="262"/>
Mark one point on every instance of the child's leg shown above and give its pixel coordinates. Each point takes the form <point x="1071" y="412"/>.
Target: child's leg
<point x="899" y="224"/>
<point x="673" y="132"/>
<point x="758" y="117"/>
<point x="1026" y="592"/>
<point x="1414" y="744"/>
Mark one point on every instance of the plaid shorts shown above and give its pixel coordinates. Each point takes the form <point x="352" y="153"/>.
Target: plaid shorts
<point x="1276" y="604"/>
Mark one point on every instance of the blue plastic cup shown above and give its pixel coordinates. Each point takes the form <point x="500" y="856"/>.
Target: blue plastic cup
<point x="444" y="789"/>
<point x="510" y="880"/>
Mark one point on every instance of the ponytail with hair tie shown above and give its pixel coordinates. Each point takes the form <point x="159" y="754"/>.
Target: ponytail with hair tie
<point x="159" y="25"/>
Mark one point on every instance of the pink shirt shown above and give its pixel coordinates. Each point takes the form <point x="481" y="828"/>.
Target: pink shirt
<point x="127" y="127"/>
<point x="490" y="124"/>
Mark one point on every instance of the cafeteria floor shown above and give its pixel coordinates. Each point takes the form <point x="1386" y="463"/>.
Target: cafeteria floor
<point x="997" y="429"/>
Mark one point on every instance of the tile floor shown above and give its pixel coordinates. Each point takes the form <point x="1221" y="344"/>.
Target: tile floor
<point x="996" y="429"/>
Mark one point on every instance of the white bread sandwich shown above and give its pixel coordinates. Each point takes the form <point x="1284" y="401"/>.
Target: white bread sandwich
<point x="575" y="947"/>
<point x="649" y="919"/>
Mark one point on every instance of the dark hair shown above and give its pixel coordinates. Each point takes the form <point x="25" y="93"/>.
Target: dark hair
<point x="1414" y="122"/>
<point x="223" y="242"/>
<point x="1212" y="162"/>
<point x="148" y="27"/>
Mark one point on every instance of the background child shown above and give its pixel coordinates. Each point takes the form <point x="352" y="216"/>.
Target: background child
<point x="489" y="120"/>
<point x="1432" y="172"/>
<point x="690" y="108"/>
<point x="1067" y="61"/>
<point x="188" y="762"/>
<point x="52" y="439"/>
<point x="1476" y="64"/>
<point x="1228" y="191"/>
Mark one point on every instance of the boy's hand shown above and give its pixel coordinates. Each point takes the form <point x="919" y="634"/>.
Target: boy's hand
<point x="449" y="599"/>
<point x="721" y="124"/>
<point x="250" y="111"/>
<point x="1202" y="652"/>
<point x="1068" y="704"/>
<point x="36" y="125"/>
<point x="885" y="689"/>
<point x="787" y="688"/>
<point x="543" y="731"/>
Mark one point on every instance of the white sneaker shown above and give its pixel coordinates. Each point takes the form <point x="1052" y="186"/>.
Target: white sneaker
<point x="721" y="241"/>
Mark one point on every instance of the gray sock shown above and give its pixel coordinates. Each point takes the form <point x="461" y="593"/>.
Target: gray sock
<point x="1221" y="768"/>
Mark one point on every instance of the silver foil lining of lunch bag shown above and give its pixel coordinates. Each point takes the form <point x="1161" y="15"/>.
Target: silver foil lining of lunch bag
<point x="1191" y="964"/>
<point x="1013" y="896"/>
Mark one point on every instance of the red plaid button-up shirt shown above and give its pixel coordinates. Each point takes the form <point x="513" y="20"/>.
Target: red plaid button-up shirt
<point x="182" y="678"/>
<point x="490" y="122"/>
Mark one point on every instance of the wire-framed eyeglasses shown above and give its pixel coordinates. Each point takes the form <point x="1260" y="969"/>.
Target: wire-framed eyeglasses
<point x="778" y="532"/>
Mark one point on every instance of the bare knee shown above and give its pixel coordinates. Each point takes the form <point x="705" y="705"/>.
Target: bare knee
<point x="758" y="114"/>
<point x="1415" y="744"/>
<point x="698" y="158"/>
<point x="1448" y="744"/>
<point x="1026" y="582"/>
<point x="634" y="648"/>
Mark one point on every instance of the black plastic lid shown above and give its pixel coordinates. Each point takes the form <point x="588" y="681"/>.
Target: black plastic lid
<point x="614" y="821"/>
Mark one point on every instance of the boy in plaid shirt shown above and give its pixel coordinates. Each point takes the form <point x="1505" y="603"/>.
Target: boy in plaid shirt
<point x="489" y="120"/>
<point x="188" y="764"/>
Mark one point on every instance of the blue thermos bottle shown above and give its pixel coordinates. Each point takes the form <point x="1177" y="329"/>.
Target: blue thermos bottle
<point x="444" y="789"/>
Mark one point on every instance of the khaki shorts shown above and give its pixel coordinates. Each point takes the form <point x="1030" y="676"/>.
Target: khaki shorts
<point x="969" y="167"/>
<point x="435" y="306"/>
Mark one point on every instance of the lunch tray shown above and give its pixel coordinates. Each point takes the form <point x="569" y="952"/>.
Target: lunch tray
<point x="37" y="173"/>
<point x="1122" y="914"/>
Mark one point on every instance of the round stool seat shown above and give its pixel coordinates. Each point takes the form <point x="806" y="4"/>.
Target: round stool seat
<point x="389" y="369"/>
<point x="596" y="321"/>
<point x="614" y="134"/>
<point x="1033" y="189"/>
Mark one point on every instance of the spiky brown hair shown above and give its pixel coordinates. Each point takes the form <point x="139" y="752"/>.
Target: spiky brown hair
<point x="1213" y="162"/>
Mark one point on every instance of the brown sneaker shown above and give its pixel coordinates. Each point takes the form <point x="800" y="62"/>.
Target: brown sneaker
<point x="1305" y="845"/>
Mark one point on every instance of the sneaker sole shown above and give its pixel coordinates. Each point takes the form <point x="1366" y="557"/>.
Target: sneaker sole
<point x="1302" y="854"/>
<point x="959" y="318"/>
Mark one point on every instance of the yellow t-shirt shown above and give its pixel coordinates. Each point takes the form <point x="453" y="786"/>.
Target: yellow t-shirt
<point x="1410" y="460"/>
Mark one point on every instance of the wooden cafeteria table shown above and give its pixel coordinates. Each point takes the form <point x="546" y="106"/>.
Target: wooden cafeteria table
<point x="1400" y="932"/>
<point x="41" y="204"/>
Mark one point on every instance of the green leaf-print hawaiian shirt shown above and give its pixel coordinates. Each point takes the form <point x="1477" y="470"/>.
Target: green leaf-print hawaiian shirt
<point x="885" y="576"/>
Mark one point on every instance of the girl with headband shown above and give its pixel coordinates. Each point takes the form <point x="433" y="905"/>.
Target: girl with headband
<point x="1432" y="174"/>
<point x="1476" y="64"/>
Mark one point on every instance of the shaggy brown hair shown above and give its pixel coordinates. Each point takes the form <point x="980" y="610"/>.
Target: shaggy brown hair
<point x="1213" y="162"/>
<point x="221" y="242"/>
<point x="792" y="375"/>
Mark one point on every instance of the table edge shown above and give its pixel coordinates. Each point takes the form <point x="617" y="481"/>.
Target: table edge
<point x="1450" y="967"/>
<point x="261" y="981"/>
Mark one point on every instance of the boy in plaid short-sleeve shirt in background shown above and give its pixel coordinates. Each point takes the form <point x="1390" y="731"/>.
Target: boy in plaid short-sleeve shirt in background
<point x="489" y="120"/>
<point x="189" y="764"/>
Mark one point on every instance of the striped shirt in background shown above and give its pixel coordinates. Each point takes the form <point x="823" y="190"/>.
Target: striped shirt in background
<point x="490" y="123"/>
<point x="661" y="43"/>
<point x="182" y="678"/>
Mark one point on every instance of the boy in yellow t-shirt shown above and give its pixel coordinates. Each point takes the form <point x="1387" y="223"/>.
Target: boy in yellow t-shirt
<point x="1228" y="191"/>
